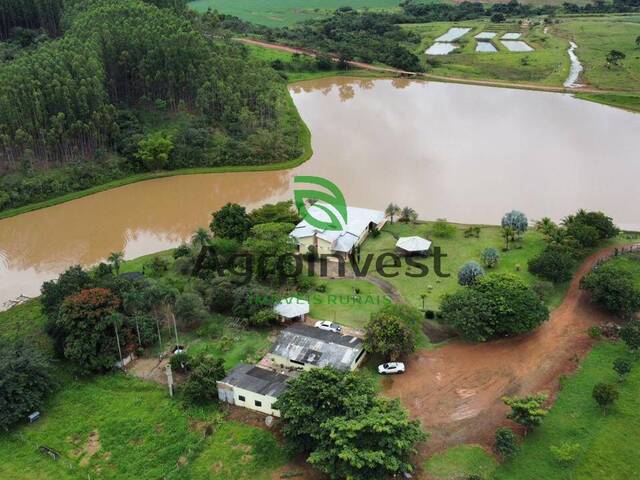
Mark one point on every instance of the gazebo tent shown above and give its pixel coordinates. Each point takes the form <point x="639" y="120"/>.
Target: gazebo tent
<point x="292" y="308"/>
<point x="413" y="244"/>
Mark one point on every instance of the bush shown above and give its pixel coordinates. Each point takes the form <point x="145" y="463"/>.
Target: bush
<point x="630" y="334"/>
<point x="263" y="318"/>
<point x="201" y="386"/>
<point x="605" y="394"/>
<point x="506" y="442"/>
<point x="181" y="362"/>
<point x="527" y="411"/>
<point x="613" y="289"/>
<point x="622" y="367"/>
<point x="25" y="381"/>
<point x="190" y="309"/>
<point x="182" y="250"/>
<point x="183" y="265"/>
<point x="443" y="229"/>
<point x="566" y="453"/>
<point x="554" y="264"/>
<point x="469" y="273"/>
<point x="595" y="332"/>
<point x="490" y="257"/>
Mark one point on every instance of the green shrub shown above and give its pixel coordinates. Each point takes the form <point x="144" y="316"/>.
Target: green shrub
<point x="180" y="362"/>
<point x="506" y="442"/>
<point x="553" y="263"/>
<point x="566" y="453"/>
<point x="443" y="229"/>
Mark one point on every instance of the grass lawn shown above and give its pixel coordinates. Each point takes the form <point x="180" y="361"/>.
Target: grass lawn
<point x="595" y="37"/>
<point x="459" y="250"/>
<point x="340" y="303"/>
<point x="606" y="449"/>
<point x="236" y="451"/>
<point x="460" y="461"/>
<point x="119" y="427"/>
<point x="280" y="13"/>
<point x="548" y="65"/>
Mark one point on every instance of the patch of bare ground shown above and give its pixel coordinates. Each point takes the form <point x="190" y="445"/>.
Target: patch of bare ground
<point x="456" y="391"/>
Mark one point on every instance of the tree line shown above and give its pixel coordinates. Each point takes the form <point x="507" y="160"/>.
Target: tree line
<point x="75" y="101"/>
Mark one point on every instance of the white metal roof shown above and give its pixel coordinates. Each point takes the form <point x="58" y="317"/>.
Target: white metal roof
<point x="292" y="307"/>
<point x="413" y="244"/>
<point x="358" y="220"/>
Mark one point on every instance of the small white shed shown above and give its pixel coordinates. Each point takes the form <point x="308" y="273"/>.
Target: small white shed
<point x="292" y="309"/>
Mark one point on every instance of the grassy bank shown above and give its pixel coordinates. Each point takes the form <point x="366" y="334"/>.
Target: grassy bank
<point x="629" y="102"/>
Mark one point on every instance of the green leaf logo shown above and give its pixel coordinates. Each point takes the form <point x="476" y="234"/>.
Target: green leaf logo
<point x="335" y="199"/>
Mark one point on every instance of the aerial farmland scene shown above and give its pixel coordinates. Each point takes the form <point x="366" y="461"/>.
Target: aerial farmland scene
<point x="319" y="240"/>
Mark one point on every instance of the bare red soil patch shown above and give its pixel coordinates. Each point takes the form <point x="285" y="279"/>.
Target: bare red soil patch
<point x="456" y="391"/>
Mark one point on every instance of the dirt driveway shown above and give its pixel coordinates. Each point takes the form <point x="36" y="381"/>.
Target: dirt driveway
<point x="456" y="390"/>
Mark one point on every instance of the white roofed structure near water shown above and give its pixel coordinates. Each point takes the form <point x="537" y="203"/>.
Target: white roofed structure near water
<point x="358" y="221"/>
<point x="413" y="244"/>
<point x="292" y="307"/>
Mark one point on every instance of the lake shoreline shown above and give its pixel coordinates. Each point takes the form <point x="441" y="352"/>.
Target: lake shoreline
<point x="307" y="153"/>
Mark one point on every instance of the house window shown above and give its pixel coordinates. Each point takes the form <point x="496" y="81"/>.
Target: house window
<point x="241" y="398"/>
<point x="258" y="403"/>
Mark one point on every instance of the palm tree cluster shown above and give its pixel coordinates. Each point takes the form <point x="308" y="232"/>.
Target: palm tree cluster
<point x="406" y="214"/>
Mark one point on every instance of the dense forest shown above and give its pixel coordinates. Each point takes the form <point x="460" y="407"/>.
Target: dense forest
<point x="74" y="106"/>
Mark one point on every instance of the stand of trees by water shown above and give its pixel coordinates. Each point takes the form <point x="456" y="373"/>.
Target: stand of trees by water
<point x="122" y="87"/>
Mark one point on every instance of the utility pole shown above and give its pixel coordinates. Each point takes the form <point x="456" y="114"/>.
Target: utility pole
<point x="175" y="328"/>
<point x="159" y="336"/>
<point x="115" y="327"/>
<point x="167" y="370"/>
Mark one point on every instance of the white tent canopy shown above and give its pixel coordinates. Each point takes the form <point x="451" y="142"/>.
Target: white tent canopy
<point x="292" y="307"/>
<point x="413" y="244"/>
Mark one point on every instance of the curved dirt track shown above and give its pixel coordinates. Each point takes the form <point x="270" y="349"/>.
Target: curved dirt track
<point x="456" y="390"/>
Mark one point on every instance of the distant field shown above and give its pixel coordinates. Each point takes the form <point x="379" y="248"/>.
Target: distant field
<point x="280" y="13"/>
<point x="547" y="65"/>
<point x="595" y="37"/>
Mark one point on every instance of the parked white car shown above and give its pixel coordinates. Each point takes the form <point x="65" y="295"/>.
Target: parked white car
<point x="329" y="326"/>
<point x="391" y="367"/>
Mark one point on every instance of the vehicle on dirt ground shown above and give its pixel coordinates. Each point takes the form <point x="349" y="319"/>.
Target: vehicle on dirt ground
<point x="329" y="326"/>
<point x="391" y="368"/>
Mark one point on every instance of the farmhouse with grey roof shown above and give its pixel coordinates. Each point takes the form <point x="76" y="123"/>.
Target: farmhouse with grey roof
<point x="303" y="347"/>
<point x="252" y="387"/>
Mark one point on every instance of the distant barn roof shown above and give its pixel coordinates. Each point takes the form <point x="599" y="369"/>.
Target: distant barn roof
<point x="257" y="380"/>
<point x="314" y="346"/>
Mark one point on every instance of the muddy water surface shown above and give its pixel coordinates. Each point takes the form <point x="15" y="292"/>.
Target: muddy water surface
<point x="466" y="153"/>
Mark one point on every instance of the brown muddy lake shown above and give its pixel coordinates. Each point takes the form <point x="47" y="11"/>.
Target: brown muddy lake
<point x="465" y="153"/>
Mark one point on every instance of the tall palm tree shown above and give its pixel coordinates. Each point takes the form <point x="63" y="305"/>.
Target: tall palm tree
<point x="115" y="259"/>
<point x="392" y="210"/>
<point x="408" y="214"/>
<point x="200" y="237"/>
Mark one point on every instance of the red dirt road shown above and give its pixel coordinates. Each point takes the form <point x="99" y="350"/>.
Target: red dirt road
<point x="456" y="390"/>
